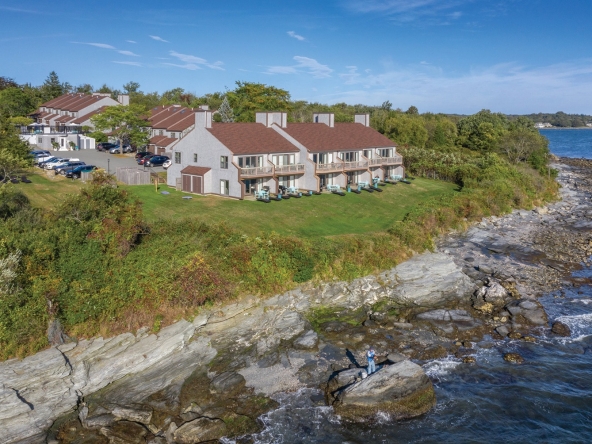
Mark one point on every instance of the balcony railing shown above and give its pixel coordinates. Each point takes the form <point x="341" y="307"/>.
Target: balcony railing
<point x="357" y="165"/>
<point x="257" y="171"/>
<point x="375" y="162"/>
<point x="397" y="159"/>
<point x="329" y="167"/>
<point x="285" y="169"/>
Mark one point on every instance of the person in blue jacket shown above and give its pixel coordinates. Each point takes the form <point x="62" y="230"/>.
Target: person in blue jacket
<point x="370" y="356"/>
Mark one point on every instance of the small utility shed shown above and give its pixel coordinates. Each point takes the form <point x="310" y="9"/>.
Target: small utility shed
<point x="193" y="179"/>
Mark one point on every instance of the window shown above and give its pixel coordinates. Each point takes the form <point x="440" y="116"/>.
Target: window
<point x="250" y="161"/>
<point x="283" y="159"/>
<point x="195" y="157"/>
<point x="368" y="154"/>
<point x="177" y="157"/>
<point x="350" y="156"/>
<point x="173" y="135"/>
<point x="386" y="152"/>
<point x="160" y="132"/>
<point x="40" y="140"/>
<point x="224" y="162"/>
<point x="224" y="188"/>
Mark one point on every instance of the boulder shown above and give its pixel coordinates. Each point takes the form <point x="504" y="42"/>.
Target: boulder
<point x="561" y="329"/>
<point x="200" y="430"/>
<point x="227" y="382"/>
<point x="307" y="341"/>
<point x="490" y="296"/>
<point x="514" y="358"/>
<point x="429" y="280"/>
<point x="401" y="390"/>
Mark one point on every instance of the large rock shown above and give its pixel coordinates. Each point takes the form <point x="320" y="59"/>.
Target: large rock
<point x="200" y="430"/>
<point x="429" y="280"/>
<point x="401" y="390"/>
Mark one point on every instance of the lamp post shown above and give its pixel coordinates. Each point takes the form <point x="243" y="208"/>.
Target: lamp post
<point x="108" y="166"/>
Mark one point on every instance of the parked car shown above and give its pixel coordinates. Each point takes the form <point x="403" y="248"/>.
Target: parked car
<point x="156" y="161"/>
<point x="70" y="165"/>
<point x="167" y="163"/>
<point x="105" y="146"/>
<point x="145" y="159"/>
<point x="116" y="150"/>
<point x="41" y="160"/>
<point x="76" y="172"/>
<point x="142" y="154"/>
<point x="58" y="163"/>
<point x="37" y="153"/>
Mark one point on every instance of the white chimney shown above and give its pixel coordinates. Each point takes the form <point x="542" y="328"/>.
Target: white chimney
<point x="326" y="118"/>
<point x="123" y="99"/>
<point x="203" y="118"/>
<point x="364" y="119"/>
<point x="269" y="118"/>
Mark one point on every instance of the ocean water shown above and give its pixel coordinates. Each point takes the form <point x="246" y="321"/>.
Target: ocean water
<point x="569" y="142"/>
<point x="548" y="399"/>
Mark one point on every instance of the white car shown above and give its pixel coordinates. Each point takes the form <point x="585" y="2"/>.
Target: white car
<point x="167" y="163"/>
<point x="58" y="163"/>
<point x="48" y="158"/>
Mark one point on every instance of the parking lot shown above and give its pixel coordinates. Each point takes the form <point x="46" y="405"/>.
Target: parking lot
<point x="101" y="159"/>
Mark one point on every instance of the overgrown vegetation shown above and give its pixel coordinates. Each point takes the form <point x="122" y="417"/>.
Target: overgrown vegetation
<point x="96" y="262"/>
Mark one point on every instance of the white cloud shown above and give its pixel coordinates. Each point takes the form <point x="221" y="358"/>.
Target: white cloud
<point x="195" y="61"/>
<point x="131" y="41"/>
<point x="409" y="10"/>
<point x="157" y="38"/>
<point x="128" y="53"/>
<point x="304" y="64"/>
<point x="128" y="63"/>
<point x="296" y="36"/>
<point x="508" y="88"/>
<point x="98" y="45"/>
<point x="189" y="66"/>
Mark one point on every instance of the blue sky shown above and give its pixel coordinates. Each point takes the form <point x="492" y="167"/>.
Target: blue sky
<point x="455" y="56"/>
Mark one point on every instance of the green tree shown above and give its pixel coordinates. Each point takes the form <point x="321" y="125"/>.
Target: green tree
<point x="14" y="152"/>
<point x="520" y="145"/>
<point x="131" y="87"/>
<point x="15" y="102"/>
<point x="248" y="98"/>
<point x="85" y="88"/>
<point x="225" y="111"/>
<point x="52" y="87"/>
<point x="6" y="82"/>
<point x="482" y="131"/>
<point x="126" y="123"/>
<point x="406" y="129"/>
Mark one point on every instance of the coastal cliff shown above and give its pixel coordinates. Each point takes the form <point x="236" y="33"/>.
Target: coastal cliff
<point x="215" y="375"/>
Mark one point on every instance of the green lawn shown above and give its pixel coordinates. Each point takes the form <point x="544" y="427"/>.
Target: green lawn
<point x="324" y="215"/>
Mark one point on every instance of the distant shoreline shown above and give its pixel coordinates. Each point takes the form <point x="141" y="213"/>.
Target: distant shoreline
<point x="559" y="128"/>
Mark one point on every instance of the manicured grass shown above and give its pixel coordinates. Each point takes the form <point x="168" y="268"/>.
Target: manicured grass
<point x="48" y="190"/>
<point x="324" y="215"/>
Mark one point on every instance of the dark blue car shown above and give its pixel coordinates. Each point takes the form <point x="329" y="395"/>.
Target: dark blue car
<point x="77" y="171"/>
<point x="156" y="161"/>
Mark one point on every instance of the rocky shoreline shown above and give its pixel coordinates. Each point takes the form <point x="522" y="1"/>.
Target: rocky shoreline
<point x="197" y="381"/>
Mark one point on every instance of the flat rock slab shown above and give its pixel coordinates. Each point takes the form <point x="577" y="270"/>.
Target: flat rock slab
<point x="429" y="280"/>
<point x="401" y="390"/>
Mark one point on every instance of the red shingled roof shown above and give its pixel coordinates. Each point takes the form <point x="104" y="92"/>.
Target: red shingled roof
<point x="89" y="115"/>
<point x="162" y="141"/>
<point x="172" y="118"/>
<point x="318" y="137"/>
<point x="199" y="171"/>
<point x="251" y="138"/>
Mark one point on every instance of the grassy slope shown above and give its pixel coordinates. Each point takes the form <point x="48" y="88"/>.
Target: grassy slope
<point x="324" y="215"/>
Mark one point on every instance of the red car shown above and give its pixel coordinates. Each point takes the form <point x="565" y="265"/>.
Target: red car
<point x="142" y="160"/>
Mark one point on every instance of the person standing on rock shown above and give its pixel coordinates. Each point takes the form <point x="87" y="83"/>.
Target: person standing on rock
<point x="370" y="356"/>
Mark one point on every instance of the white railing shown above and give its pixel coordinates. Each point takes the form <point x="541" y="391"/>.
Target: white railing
<point x="356" y="164"/>
<point x="336" y="166"/>
<point x="295" y="168"/>
<point x="374" y="162"/>
<point x="397" y="159"/>
<point x="257" y="171"/>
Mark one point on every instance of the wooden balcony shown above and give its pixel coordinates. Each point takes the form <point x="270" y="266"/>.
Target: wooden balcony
<point x="357" y="165"/>
<point x="297" y="168"/>
<point x="323" y="168"/>
<point x="397" y="159"/>
<point x="375" y="162"/>
<point x="256" y="172"/>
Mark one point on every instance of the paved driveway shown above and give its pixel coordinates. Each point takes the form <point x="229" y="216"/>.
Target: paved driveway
<point x="105" y="160"/>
